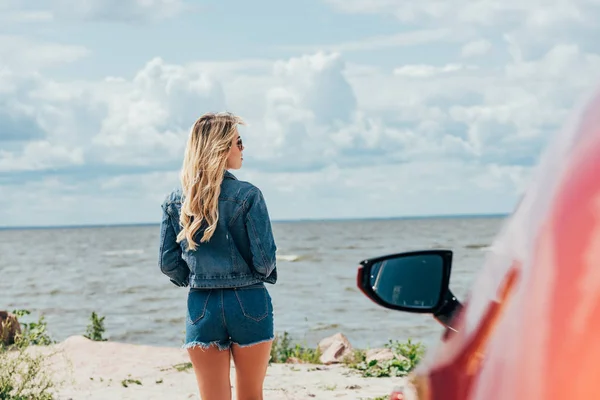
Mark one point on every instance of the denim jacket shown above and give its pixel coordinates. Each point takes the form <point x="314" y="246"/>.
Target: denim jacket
<point x="241" y="251"/>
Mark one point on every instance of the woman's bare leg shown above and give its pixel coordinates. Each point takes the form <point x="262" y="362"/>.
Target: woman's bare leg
<point x="251" y="364"/>
<point x="212" y="368"/>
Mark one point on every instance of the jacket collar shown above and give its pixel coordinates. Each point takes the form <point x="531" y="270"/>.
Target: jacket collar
<point x="229" y="175"/>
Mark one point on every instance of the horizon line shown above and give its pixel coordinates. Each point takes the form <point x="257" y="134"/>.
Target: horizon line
<point x="275" y="221"/>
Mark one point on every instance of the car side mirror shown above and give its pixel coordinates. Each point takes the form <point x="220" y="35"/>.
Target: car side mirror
<point x="415" y="282"/>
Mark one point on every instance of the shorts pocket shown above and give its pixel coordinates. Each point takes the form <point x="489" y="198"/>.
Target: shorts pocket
<point x="196" y="304"/>
<point x="254" y="302"/>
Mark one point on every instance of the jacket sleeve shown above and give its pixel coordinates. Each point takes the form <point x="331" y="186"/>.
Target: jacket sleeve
<point x="170" y="261"/>
<point x="260" y="234"/>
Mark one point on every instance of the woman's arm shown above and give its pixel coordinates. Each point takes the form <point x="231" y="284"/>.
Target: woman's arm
<point x="170" y="261"/>
<point x="260" y="234"/>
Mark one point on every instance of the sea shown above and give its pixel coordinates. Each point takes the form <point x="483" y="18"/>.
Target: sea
<point x="65" y="274"/>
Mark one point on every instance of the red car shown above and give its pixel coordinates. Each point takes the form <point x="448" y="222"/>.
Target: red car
<point x="530" y="329"/>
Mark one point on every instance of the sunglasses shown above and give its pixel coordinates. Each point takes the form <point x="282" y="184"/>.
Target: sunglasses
<point x="239" y="143"/>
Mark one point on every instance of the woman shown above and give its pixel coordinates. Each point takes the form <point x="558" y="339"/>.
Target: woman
<point x="216" y="238"/>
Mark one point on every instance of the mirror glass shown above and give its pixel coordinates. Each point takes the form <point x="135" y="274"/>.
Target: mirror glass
<point x="413" y="281"/>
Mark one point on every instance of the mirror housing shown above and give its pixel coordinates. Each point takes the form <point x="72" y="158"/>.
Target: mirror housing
<point x="415" y="282"/>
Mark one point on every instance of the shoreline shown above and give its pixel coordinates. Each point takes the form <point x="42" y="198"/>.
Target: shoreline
<point x="101" y="370"/>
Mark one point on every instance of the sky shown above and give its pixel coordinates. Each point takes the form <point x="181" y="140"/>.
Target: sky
<point x="355" y="108"/>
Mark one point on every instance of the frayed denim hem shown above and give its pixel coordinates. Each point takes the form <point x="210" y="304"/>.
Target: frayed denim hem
<point x="255" y="343"/>
<point x="205" y="346"/>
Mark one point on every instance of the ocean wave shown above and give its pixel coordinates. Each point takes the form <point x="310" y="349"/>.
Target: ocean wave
<point x="118" y="253"/>
<point x="321" y="327"/>
<point x="288" y="257"/>
<point x="478" y="246"/>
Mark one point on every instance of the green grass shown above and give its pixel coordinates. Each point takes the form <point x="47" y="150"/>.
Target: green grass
<point x="183" y="366"/>
<point x="283" y="350"/>
<point x="127" y="382"/>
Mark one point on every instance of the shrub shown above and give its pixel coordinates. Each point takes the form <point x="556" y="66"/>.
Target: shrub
<point x="95" y="329"/>
<point x="33" y="333"/>
<point x="282" y="350"/>
<point x="407" y="356"/>
<point x="23" y="374"/>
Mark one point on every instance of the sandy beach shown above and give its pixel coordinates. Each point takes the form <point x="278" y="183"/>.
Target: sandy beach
<point x="110" y="370"/>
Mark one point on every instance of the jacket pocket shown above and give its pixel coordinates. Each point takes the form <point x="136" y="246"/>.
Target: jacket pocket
<point x="197" y="303"/>
<point x="254" y="302"/>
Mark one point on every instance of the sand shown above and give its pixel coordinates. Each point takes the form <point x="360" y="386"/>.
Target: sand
<point x="97" y="370"/>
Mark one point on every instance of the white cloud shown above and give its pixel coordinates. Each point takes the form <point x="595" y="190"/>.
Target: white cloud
<point x="63" y="200"/>
<point x="317" y="84"/>
<point x="321" y="130"/>
<point x="537" y="24"/>
<point x="476" y="48"/>
<point x="22" y="54"/>
<point x="402" y="39"/>
<point x="139" y="122"/>
<point x="149" y="118"/>
<point x="563" y="60"/>
<point x="499" y="115"/>
<point x="25" y="16"/>
<point x="502" y="177"/>
<point x="40" y="155"/>
<point x="381" y="190"/>
<point x="119" y="10"/>
<point x="427" y="71"/>
<point x="18" y="12"/>
<point x="536" y="13"/>
<point x="309" y="110"/>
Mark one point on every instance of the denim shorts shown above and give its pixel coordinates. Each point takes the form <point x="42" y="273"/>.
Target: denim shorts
<point x="222" y="317"/>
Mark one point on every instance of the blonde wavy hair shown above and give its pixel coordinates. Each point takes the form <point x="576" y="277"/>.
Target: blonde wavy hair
<point x="204" y="165"/>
